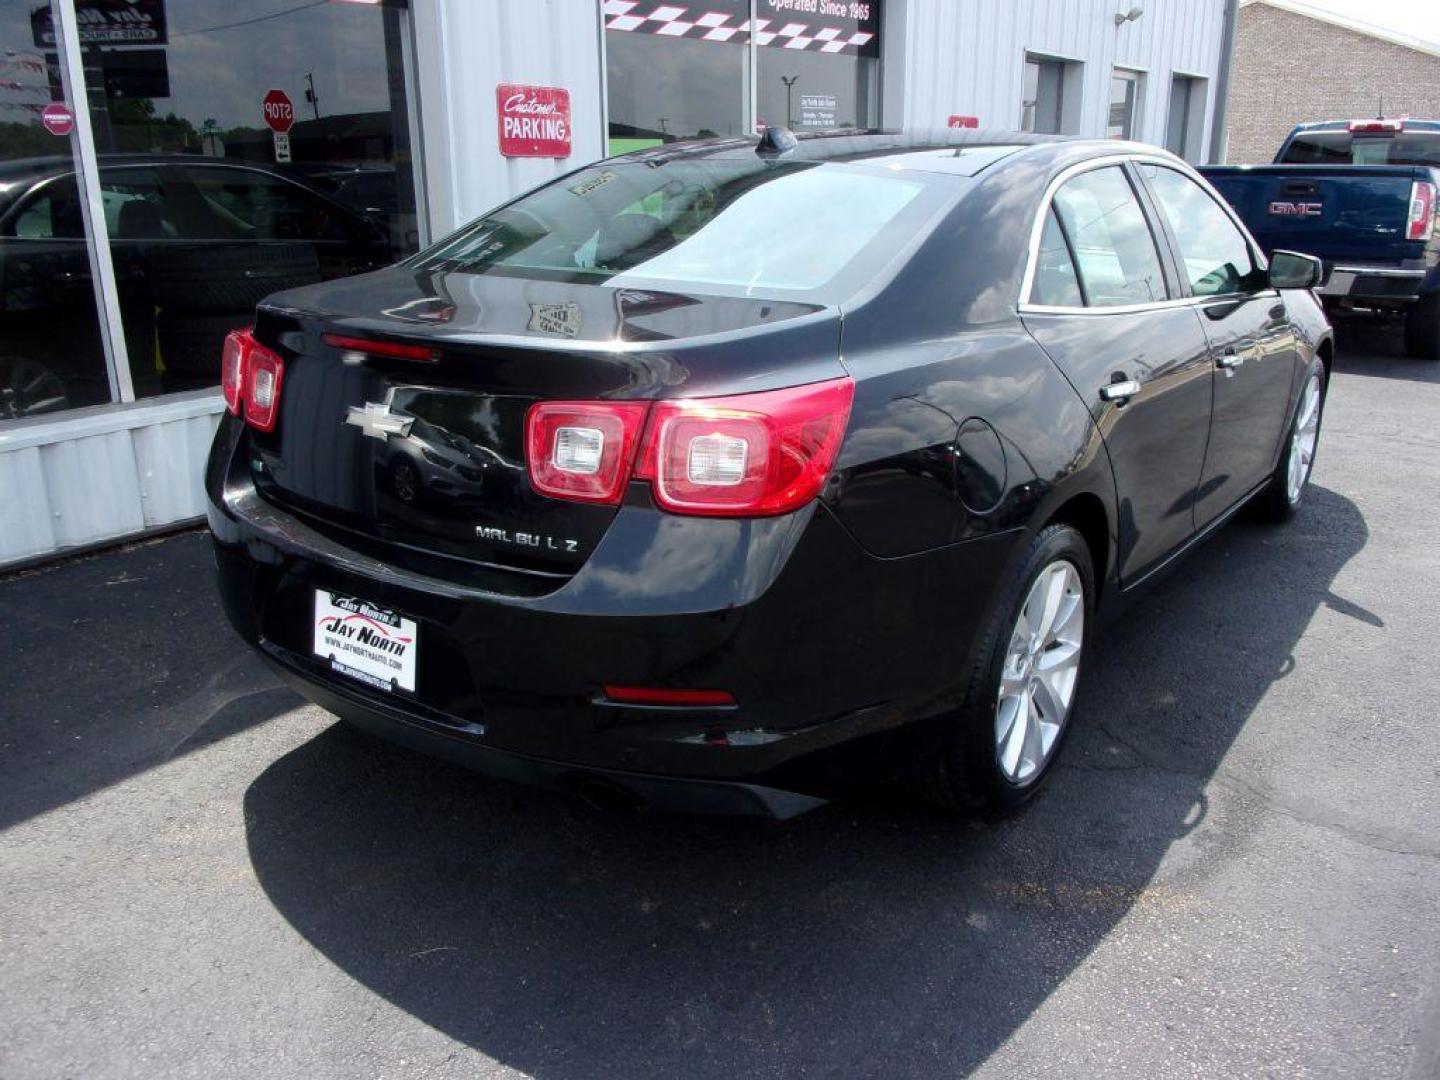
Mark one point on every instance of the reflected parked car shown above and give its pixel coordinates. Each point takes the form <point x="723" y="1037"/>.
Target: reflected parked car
<point x="196" y="243"/>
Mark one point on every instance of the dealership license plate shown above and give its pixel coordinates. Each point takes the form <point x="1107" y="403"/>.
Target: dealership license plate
<point x="364" y="642"/>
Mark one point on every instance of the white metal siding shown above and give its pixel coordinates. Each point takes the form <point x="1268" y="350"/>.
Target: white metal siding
<point x="465" y="48"/>
<point x="968" y="57"/>
<point x="100" y="474"/>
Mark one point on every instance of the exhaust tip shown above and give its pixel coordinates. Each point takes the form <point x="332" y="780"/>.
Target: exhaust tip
<point x="609" y="796"/>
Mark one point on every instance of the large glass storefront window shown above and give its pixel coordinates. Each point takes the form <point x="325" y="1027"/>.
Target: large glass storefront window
<point x="683" y="71"/>
<point x="51" y="353"/>
<point x="817" y="70"/>
<point x="241" y="149"/>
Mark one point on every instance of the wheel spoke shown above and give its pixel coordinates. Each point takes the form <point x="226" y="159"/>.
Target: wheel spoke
<point x="1046" y="702"/>
<point x="1061" y="654"/>
<point x="1034" y="753"/>
<point x="1015" y="735"/>
<point x="1054" y="585"/>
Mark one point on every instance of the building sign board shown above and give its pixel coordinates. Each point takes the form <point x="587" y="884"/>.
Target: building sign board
<point x="849" y="27"/>
<point x="817" y="110"/>
<point x="959" y="121"/>
<point x="106" y="22"/>
<point x="534" y="121"/>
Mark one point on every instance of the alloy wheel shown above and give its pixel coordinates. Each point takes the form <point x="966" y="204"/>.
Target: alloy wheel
<point x="1040" y="673"/>
<point x="1303" y="440"/>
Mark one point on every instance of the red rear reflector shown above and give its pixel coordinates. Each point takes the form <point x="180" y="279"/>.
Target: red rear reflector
<point x="422" y="353"/>
<point x="1375" y="127"/>
<point x="750" y="455"/>
<point x="234" y="362"/>
<point x="583" y="450"/>
<point x="1421" y="223"/>
<point x="264" y="373"/>
<point x="653" y="695"/>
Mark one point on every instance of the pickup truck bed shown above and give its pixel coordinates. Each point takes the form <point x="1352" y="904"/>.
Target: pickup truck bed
<point x="1352" y="217"/>
<point x="1371" y="221"/>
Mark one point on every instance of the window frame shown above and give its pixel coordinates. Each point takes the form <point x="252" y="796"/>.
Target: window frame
<point x="1165" y="243"/>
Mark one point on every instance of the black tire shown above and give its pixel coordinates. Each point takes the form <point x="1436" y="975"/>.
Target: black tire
<point x="1274" y="504"/>
<point x="1422" y="329"/>
<point x="190" y="345"/>
<point x="227" y="277"/>
<point x="965" y="774"/>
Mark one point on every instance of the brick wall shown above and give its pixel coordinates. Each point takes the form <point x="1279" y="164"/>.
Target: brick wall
<point x="1289" y="69"/>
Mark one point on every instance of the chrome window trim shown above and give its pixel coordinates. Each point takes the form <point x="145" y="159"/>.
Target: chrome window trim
<point x="1164" y="160"/>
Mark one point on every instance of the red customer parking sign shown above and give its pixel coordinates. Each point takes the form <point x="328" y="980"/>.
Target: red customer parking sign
<point x="534" y="120"/>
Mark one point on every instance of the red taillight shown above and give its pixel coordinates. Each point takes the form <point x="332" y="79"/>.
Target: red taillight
<point x="659" y="695"/>
<point x="394" y="349"/>
<point x="233" y="362"/>
<point x="750" y="455"/>
<point x="1421" y="223"/>
<point x="583" y="450"/>
<point x="264" y="373"/>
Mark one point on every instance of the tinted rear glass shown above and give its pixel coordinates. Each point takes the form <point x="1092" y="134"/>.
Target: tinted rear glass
<point x="1343" y="148"/>
<point x="730" y="224"/>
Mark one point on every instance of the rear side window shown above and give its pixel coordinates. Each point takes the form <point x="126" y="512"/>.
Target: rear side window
<point x="1345" y="148"/>
<point x="1056" y="282"/>
<point x="1114" y="250"/>
<point x="1215" y="255"/>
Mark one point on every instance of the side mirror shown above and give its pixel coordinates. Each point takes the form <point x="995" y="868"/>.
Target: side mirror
<point x="1292" y="270"/>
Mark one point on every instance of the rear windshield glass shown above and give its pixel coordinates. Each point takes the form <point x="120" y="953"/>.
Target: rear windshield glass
<point x="1343" y="148"/>
<point x="733" y="224"/>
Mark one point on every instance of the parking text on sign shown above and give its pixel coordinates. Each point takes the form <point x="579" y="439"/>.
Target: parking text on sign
<point x="534" y="121"/>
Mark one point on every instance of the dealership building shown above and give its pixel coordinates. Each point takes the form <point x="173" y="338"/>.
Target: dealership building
<point x="165" y="163"/>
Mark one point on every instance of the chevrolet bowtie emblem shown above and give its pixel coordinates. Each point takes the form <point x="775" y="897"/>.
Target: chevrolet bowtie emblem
<point x="377" y="421"/>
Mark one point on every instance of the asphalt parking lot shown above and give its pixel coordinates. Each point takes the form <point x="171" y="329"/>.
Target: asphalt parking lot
<point x="1235" y="873"/>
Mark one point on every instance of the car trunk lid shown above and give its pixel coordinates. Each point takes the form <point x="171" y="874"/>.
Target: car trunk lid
<point x="426" y="456"/>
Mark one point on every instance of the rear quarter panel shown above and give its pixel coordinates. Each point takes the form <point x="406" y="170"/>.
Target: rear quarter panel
<point x="962" y="425"/>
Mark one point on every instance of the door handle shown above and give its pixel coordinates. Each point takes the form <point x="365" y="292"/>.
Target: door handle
<point x="1121" y="391"/>
<point x="1230" y="358"/>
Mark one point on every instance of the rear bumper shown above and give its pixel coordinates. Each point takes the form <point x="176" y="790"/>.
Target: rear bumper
<point x="1373" y="284"/>
<point x="837" y="659"/>
<point x="464" y="745"/>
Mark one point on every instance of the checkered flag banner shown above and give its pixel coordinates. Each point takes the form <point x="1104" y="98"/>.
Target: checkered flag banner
<point x="719" y="20"/>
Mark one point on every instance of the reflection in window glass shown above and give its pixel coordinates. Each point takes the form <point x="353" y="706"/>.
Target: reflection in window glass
<point x="664" y="88"/>
<point x="1116" y="254"/>
<point x="1216" y="256"/>
<point x="51" y="354"/>
<point x="1056" y="282"/>
<point x="210" y="213"/>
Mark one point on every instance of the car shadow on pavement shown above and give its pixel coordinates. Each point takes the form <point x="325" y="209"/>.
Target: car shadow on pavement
<point x="117" y="663"/>
<point x="865" y="939"/>
<point x="1373" y="347"/>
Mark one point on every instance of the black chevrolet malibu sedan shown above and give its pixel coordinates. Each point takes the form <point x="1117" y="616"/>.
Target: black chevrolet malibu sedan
<point x="728" y="475"/>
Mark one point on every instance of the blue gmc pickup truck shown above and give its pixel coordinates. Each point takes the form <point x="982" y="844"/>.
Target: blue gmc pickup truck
<point x="1360" y="195"/>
